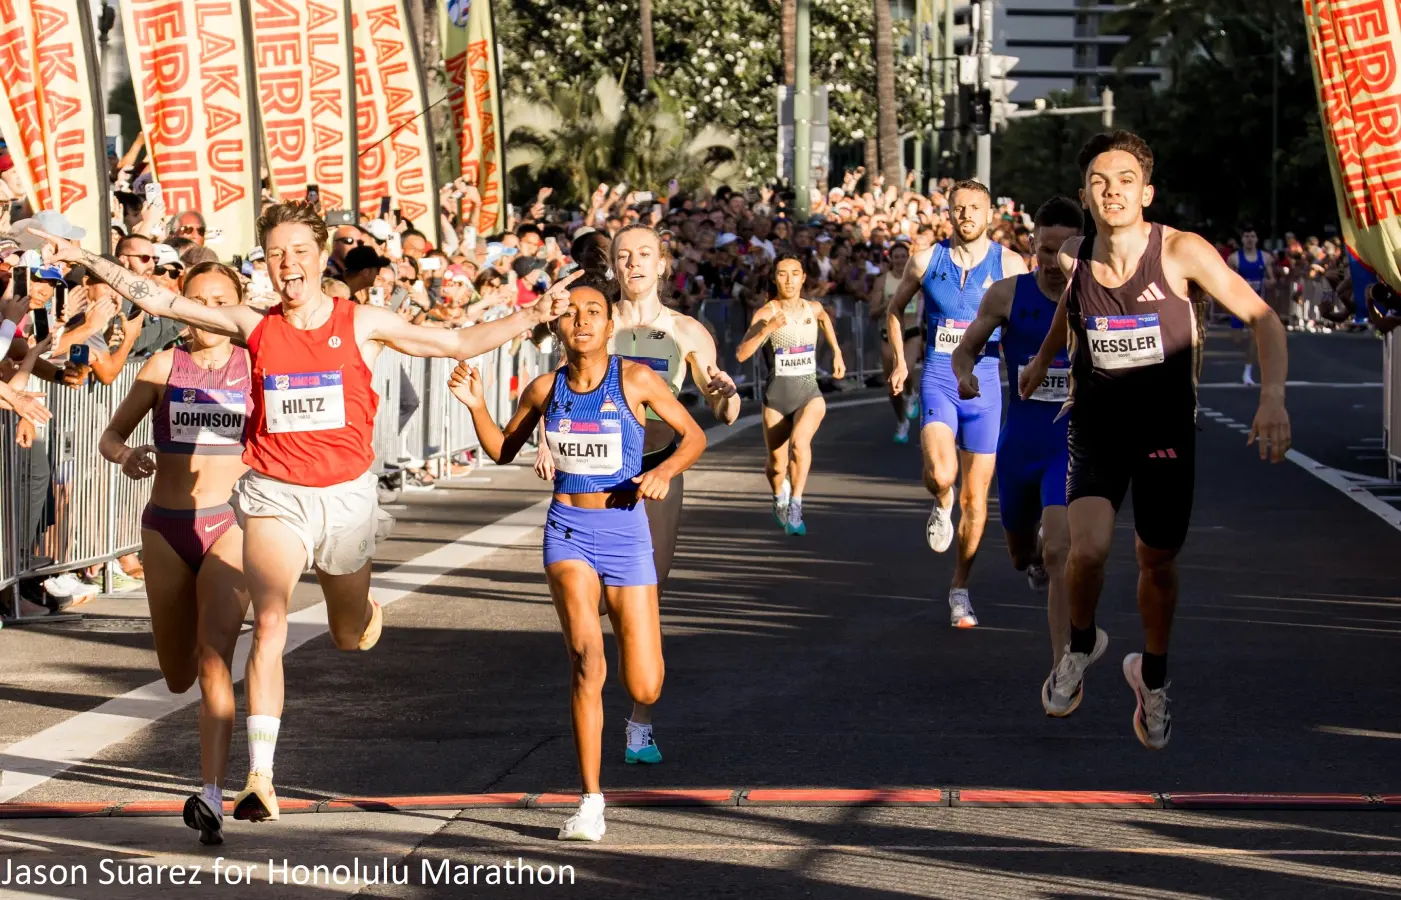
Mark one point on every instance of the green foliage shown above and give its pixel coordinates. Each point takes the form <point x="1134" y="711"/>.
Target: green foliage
<point x="1209" y="127"/>
<point x="718" y="63"/>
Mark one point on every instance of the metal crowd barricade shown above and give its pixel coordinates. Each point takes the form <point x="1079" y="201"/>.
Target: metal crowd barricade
<point x="1391" y="404"/>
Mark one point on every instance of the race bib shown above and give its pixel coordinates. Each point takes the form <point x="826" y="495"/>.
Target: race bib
<point x="651" y="362"/>
<point x="795" y="361"/>
<point x="587" y="448"/>
<point x="1124" y="342"/>
<point x="207" y="418"/>
<point x="304" y="401"/>
<point x="948" y="335"/>
<point x="1055" y="387"/>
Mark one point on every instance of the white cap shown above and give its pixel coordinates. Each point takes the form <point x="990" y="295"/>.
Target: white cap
<point x="379" y="229"/>
<point x="725" y="240"/>
<point x="166" y="256"/>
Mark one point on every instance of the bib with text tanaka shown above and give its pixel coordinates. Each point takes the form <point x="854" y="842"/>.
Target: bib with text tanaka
<point x="304" y="401"/>
<point x="1124" y="342"/>
<point x="587" y="448"/>
<point x="794" y="361"/>
<point x="208" y="418"/>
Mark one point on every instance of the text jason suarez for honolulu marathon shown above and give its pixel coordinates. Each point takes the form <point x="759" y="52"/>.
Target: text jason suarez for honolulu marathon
<point x="234" y="873"/>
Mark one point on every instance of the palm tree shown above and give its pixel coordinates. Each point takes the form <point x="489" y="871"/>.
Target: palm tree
<point x="584" y="135"/>
<point x="887" y="127"/>
<point x="788" y="10"/>
<point x="649" y="49"/>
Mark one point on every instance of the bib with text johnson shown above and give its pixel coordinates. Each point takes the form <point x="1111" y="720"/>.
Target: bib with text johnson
<point x="794" y="361"/>
<point x="207" y="418"/>
<point x="1124" y="342"/>
<point x="587" y="448"/>
<point x="304" y="401"/>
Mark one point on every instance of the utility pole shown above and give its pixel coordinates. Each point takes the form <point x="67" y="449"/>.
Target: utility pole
<point x="802" y="114"/>
<point x="1274" y="130"/>
<point x="1106" y="103"/>
<point x="923" y="57"/>
<point x="949" y="86"/>
<point x="984" y="141"/>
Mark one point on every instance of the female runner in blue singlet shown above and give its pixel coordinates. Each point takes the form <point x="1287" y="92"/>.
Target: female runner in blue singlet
<point x="596" y="530"/>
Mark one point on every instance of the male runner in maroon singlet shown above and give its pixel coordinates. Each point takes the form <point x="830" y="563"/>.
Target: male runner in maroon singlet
<point x="1133" y="407"/>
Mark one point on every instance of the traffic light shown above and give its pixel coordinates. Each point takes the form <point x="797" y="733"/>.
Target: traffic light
<point x="981" y="113"/>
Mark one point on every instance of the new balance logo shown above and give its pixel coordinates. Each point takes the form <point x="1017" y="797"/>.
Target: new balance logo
<point x="1153" y="293"/>
<point x="1163" y="454"/>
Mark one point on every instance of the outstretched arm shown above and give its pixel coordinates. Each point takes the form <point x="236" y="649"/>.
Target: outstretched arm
<point x="234" y="321"/>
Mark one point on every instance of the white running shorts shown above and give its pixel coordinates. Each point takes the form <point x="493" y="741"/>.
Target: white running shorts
<point x="338" y="525"/>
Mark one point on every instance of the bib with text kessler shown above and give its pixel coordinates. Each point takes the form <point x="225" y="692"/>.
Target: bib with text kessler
<point x="1055" y="387"/>
<point x="948" y="335"/>
<point x="206" y="418"/>
<point x="587" y="448"/>
<point x="304" y="401"/>
<point x="1124" y="342"/>
<point x="794" y="361"/>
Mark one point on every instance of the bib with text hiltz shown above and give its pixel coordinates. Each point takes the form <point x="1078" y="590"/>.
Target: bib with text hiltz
<point x="304" y="401"/>
<point x="1055" y="387"/>
<point x="587" y="448"/>
<point x="948" y="335"/>
<point x="794" y="361"/>
<point x="207" y="418"/>
<point x="1124" y="342"/>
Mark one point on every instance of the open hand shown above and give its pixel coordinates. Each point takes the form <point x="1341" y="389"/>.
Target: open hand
<point x="466" y="385"/>
<point x="555" y="301"/>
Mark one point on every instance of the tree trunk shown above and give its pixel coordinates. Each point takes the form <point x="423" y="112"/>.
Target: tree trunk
<point x="789" y="18"/>
<point x="649" y="50"/>
<point x="871" y="162"/>
<point x="887" y="124"/>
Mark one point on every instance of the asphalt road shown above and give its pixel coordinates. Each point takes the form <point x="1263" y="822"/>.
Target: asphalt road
<point x="824" y="661"/>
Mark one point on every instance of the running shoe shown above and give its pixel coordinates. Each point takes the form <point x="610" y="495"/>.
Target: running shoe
<point x="200" y="816"/>
<point x="374" y="628"/>
<point x="795" y="524"/>
<point x="1247" y="377"/>
<point x="257" y="802"/>
<point x="1037" y="577"/>
<point x="642" y="747"/>
<point x="586" y="824"/>
<point x="902" y="433"/>
<point x="1152" y="719"/>
<point x="1063" y="689"/>
<point x="122" y="582"/>
<point x="939" y="531"/>
<point x="961" y="609"/>
<point x="912" y="408"/>
<point x="780" y="505"/>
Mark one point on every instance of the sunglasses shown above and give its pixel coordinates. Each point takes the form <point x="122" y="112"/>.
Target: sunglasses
<point x="190" y="229"/>
<point x="141" y="257"/>
<point x="350" y="241"/>
<point x="167" y="271"/>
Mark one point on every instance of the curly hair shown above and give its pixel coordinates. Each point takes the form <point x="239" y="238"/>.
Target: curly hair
<point x="293" y="212"/>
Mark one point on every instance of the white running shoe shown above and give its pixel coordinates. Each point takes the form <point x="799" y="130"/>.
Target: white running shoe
<point x="795" y="524"/>
<point x="1037" y="577"/>
<point x="1064" y="688"/>
<point x="961" y="609"/>
<point x="780" y="504"/>
<point x="68" y="585"/>
<point x="586" y="824"/>
<point x="1152" y="719"/>
<point x="939" y="531"/>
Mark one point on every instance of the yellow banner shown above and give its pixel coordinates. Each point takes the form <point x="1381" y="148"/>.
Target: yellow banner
<point x="1354" y="48"/>
<point x="301" y="56"/>
<point x="469" y="54"/>
<point x="51" y="118"/>
<point x="189" y="67"/>
<point x="396" y="148"/>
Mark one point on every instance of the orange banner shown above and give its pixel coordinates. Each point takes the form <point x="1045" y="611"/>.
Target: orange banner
<point x="301" y="55"/>
<point x="189" y="66"/>
<point x="396" y="146"/>
<point x="469" y="54"/>
<point x="51" y="117"/>
<point x="1354" y="48"/>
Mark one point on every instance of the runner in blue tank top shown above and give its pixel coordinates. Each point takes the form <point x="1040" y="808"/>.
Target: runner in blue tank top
<point x="1256" y="267"/>
<point x="1032" y="452"/>
<point x="955" y="435"/>
<point x="596" y="530"/>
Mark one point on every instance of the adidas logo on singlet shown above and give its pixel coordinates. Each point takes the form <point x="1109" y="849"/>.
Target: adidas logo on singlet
<point x="1153" y="293"/>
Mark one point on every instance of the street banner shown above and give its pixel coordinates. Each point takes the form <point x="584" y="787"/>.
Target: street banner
<point x="189" y="67"/>
<point x="1354" y="49"/>
<point x="474" y="89"/>
<point x="306" y="94"/>
<point x="395" y="142"/>
<point x="51" y="114"/>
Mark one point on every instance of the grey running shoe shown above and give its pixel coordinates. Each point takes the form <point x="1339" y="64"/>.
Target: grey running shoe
<point x="1064" y="687"/>
<point x="1152" y="719"/>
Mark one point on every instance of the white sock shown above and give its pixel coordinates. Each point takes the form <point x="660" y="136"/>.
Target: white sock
<point x="262" y="742"/>
<point x="784" y="490"/>
<point x="638" y="735"/>
<point x="214" y="796"/>
<point x="591" y="802"/>
<point x="797" y="498"/>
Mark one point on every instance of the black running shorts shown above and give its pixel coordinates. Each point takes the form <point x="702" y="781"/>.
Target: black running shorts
<point x="1108" y="455"/>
